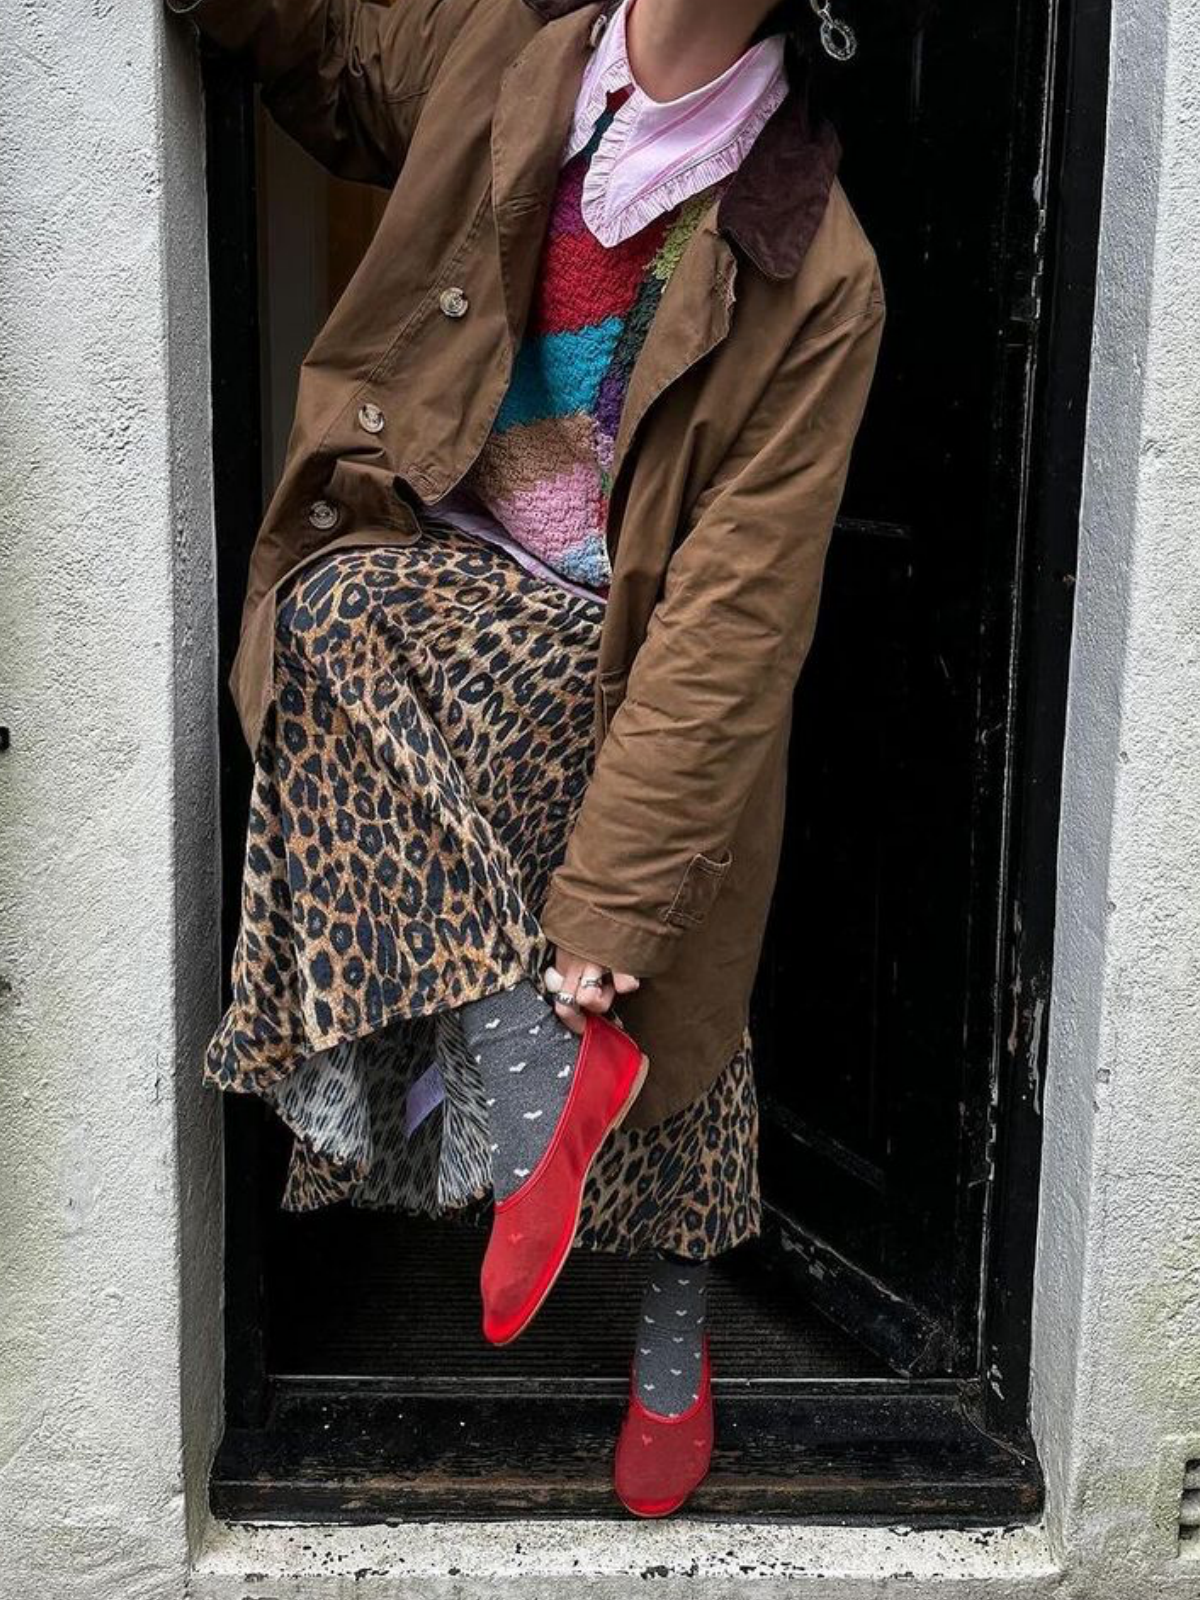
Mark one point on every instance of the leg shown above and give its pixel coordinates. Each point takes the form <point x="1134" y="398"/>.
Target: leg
<point x="665" y="1444"/>
<point x="527" y="1059"/>
<point x="682" y="1192"/>
<point x="669" y="1344"/>
<point x="543" y="1165"/>
<point x="429" y="743"/>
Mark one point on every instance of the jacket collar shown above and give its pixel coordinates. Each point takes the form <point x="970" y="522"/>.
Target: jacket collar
<point x="776" y="199"/>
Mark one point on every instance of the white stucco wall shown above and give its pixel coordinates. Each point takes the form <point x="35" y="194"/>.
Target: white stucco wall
<point x="1117" y="1329"/>
<point x="107" y="833"/>
<point x="109" y="1182"/>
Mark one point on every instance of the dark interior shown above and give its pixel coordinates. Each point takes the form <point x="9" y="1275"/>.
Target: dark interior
<point x="400" y="1301"/>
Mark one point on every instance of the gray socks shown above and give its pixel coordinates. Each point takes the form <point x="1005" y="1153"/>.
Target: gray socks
<point x="527" y="1057"/>
<point x="667" y="1360"/>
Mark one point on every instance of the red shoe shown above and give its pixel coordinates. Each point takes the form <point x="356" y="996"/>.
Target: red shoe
<point x="534" y="1228"/>
<point x="662" y="1461"/>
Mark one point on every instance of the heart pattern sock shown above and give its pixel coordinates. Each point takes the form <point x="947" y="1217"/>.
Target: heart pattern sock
<point x="527" y="1058"/>
<point x="668" y="1353"/>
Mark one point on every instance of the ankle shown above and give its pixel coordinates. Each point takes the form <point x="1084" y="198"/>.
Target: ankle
<point x="526" y="1059"/>
<point x="668" y="1361"/>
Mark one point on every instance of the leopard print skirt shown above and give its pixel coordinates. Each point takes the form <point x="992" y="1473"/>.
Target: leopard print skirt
<point x="427" y="749"/>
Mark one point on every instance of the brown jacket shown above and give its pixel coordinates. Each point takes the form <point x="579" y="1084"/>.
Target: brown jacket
<point x="730" y="459"/>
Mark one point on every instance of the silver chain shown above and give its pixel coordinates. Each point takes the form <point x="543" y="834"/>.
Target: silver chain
<point x="837" y="37"/>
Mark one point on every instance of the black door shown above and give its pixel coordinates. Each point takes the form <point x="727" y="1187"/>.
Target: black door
<point x="882" y="1013"/>
<point x="899" y="1010"/>
<point x="877" y="1005"/>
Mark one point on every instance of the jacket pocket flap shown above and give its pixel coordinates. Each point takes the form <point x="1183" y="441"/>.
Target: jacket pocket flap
<point x="699" y="888"/>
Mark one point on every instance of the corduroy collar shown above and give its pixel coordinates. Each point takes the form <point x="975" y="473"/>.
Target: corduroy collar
<point x="775" y="202"/>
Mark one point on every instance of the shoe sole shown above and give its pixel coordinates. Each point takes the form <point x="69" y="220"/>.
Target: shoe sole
<point x="622" y="1112"/>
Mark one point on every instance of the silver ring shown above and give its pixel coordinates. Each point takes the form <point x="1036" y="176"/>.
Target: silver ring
<point x="567" y="1000"/>
<point x="589" y="983"/>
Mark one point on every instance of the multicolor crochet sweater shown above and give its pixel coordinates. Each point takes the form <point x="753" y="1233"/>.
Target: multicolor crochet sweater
<point x="545" y="472"/>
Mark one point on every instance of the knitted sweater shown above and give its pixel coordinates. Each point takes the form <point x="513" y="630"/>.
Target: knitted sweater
<point x="545" y="473"/>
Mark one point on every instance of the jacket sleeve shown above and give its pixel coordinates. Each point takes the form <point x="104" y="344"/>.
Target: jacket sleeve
<point x="344" y="78"/>
<point x="712" y="681"/>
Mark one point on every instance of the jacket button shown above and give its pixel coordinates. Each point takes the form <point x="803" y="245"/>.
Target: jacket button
<point x="453" y="302"/>
<point x="370" y="418"/>
<point x="323" y="515"/>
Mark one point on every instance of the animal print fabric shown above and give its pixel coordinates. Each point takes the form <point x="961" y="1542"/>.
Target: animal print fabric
<point x="428" y="748"/>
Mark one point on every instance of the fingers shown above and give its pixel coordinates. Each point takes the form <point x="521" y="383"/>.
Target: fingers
<point x="566" y="999"/>
<point x="580" y="987"/>
<point x="593" y="990"/>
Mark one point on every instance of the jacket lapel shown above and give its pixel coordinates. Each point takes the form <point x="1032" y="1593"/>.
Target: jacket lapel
<point x="534" y="106"/>
<point x="692" y="318"/>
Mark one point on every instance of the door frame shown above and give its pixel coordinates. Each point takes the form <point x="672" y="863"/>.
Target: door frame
<point x="1060" y="295"/>
<point x="1047" y="345"/>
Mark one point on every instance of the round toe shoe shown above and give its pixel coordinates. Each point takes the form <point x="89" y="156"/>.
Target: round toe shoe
<point x="661" y="1461"/>
<point x="534" y="1227"/>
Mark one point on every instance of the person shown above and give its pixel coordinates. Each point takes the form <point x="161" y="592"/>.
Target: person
<point x="524" y="619"/>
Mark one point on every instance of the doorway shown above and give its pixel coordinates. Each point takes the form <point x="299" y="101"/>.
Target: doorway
<point x="874" y="1345"/>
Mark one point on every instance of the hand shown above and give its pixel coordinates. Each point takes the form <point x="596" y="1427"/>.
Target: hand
<point x="592" y="986"/>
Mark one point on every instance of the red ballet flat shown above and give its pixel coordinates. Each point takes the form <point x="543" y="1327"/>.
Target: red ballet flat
<point x="661" y="1461"/>
<point x="534" y="1227"/>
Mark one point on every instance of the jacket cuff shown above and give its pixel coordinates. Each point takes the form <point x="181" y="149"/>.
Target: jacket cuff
<point x="620" y="946"/>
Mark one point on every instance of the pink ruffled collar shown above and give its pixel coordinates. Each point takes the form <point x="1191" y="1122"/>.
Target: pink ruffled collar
<point x="655" y="154"/>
